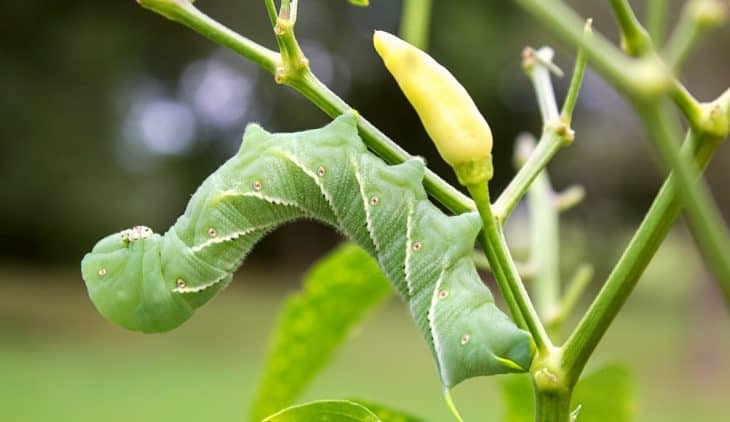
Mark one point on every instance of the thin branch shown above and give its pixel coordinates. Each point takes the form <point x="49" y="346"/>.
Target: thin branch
<point x="706" y="222"/>
<point x="537" y="65"/>
<point x="571" y="98"/>
<point x="309" y="86"/>
<point x="495" y="247"/>
<point x="645" y="76"/>
<point x="697" y="18"/>
<point x="627" y="271"/>
<point x="634" y="38"/>
<point x="271" y="11"/>
<point x="544" y="237"/>
<point x="656" y="19"/>
<point x="415" y="20"/>
<point x="550" y="143"/>
<point x="576" y="288"/>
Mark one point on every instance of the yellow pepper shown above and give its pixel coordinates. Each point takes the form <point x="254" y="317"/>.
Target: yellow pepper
<point x="452" y="120"/>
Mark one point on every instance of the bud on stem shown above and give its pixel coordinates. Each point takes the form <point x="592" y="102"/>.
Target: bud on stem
<point x="449" y="115"/>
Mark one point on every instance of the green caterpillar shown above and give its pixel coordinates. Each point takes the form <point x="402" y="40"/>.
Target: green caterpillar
<point x="152" y="283"/>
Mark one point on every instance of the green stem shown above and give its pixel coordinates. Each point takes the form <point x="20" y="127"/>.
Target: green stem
<point x="643" y="76"/>
<point x="690" y="107"/>
<point x="183" y="11"/>
<point x="656" y="19"/>
<point x="271" y="11"/>
<point x="319" y="94"/>
<point x="549" y="144"/>
<point x="544" y="240"/>
<point x="571" y="98"/>
<point x="536" y="65"/>
<point x="706" y="222"/>
<point x="627" y="271"/>
<point x="552" y="406"/>
<point x="495" y="247"/>
<point x="524" y="269"/>
<point x="698" y="16"/>
<point x="639" y="80"/>
<point x="634" y="38"/>
<point x="575" y="288"/>
<point x="414" y="24"/>
<point x="308" y="85"/>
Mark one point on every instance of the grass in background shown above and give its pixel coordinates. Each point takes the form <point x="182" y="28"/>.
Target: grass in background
<point x="60" y="361"/>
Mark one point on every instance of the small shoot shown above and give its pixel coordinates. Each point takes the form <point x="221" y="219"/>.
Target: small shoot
<point x="698" y="18"/>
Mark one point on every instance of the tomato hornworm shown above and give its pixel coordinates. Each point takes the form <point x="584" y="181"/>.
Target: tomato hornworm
<point x="150" y="282"/>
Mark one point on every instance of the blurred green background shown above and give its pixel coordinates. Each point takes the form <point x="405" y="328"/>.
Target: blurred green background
<point x="110" y="116"/>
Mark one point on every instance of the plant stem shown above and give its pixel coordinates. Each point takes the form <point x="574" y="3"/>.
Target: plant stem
<point x="627" y="271"/>
<point x="544" y="239"/>
<point x="705" y="219"/>
<point x="481" y="262"/>
<point x="414" y="24"/>
<point x="571" y="98"/>
<point x="183" y="11"/>
<point x="686" y="102"/>
<point x="634" y="38"/>
<point x="549" y="144"/>
<point x="271" y="11"/>
<point x="630" y="75"/>
<point x="552" y="406"/>
<point x="495" y="247"/>
<point x="545" y="246"/>
<point x="536" y="65"/>
<point x="307" y="84"/>
<point x="697" y="17"/>
<point x="656" y="19"/>
<point x="319" y="94"/>
<point x="573" y="292"/>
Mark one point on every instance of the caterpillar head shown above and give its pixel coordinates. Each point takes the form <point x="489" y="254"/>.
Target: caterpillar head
<point x="124" y="278"/>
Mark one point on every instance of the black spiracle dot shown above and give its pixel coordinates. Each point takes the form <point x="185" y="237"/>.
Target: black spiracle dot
<point x="212" y="232"/>
<point x="374" y="200"/>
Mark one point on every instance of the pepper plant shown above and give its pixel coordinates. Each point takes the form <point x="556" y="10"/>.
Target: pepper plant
<point x="344" y="285"/>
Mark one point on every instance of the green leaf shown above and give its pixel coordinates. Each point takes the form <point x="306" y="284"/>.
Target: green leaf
<point x="518" y="400"/>
<point x="605" y="395"/>
<point x="387" y="414"/>
<point x="336" y="295"/>
<point x="361" y="3"/>
<point x="325" y="411"/>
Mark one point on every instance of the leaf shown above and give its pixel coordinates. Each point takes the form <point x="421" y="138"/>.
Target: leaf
<point x="325" y="411"/>
<point x="336" y="295"/>
<point x="605" y="395"/>
<point x="387" y="414"/>
<point x="518" y="398"/>
<point x="361" y="3"/>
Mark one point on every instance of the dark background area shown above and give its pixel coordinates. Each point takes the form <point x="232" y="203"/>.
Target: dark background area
<point x="111" y="116"/>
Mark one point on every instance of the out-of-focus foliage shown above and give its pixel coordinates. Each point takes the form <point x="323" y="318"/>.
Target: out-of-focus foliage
<point x="604" y="395"/>
<point x="324" y="411"/>
<point x="340" y="411"/>
<point x="337" y="293"/>
<point x="387" y="414"/>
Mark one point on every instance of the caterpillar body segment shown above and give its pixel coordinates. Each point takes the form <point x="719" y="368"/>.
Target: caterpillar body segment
<point x="149" y="282"/>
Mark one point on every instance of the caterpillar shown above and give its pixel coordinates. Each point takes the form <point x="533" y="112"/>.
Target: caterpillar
<point x="149" y="282"/>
